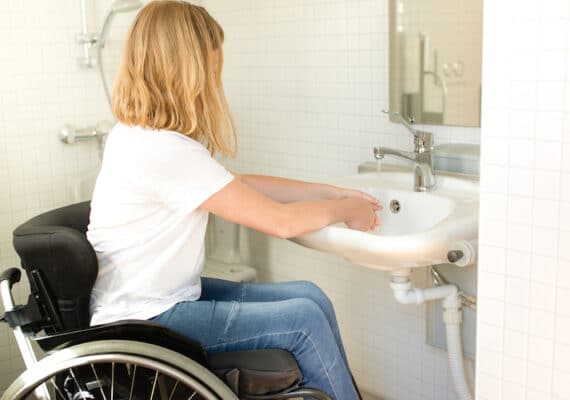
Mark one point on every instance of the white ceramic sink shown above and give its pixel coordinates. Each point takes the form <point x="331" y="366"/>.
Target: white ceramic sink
<point x="419" y="234"/>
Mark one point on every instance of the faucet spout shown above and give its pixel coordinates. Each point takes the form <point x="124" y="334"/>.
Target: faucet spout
<point x="421" y="157"/>
<point x="424" y="179"/>
<point x="381" y="152"/>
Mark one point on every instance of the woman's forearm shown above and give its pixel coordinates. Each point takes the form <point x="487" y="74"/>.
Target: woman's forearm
<point x="286" y="190"/>
<point x="240" y="203"/>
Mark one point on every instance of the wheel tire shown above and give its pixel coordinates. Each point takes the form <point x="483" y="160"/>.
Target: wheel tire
<point x="166" y="363"/>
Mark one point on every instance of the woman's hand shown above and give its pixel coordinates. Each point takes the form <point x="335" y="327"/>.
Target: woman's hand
<point x="342" y="193"/>
<point x="361" y="219"/>
<point x="363" y="215"/>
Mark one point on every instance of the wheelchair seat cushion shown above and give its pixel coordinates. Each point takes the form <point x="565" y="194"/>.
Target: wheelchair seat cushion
<point x="257" y="372"/>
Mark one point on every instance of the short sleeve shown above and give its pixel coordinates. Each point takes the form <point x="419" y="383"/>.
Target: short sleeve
<point x="186" y="175"/>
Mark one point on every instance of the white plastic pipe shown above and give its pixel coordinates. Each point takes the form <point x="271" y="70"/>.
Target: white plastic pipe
<point x="405" y="293"/>
<point x="455" y="358"/>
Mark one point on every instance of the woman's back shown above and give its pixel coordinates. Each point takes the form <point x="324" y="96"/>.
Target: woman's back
<point x="146" y="226"/>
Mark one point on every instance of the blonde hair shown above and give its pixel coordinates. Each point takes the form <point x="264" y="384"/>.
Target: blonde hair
<point x="171" y="75"/>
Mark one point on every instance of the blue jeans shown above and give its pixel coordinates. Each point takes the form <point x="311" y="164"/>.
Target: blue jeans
<point x="295" y="316"/>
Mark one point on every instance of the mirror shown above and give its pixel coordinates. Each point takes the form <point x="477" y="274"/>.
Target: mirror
<point x="436" y="61"/>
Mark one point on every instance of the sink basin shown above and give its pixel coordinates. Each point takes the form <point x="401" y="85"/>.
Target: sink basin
<point x="416" y="229"/>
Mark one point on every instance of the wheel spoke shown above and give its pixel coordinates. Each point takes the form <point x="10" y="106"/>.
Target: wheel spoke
<point x="173" y="390"/>
<point x="112" y="380"/>
<point x="153" y="385"/>
<point x="78" y="385"/>
<point x="57" y="389"/>
<point x="133" y="383"/>
<point x="98" y="381"/>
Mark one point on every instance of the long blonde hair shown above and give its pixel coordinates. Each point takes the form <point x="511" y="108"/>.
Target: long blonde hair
<point x="171" y="75"/>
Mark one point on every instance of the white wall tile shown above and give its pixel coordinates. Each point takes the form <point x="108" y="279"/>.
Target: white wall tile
<point x="545" y="241"/>
<point x="519" y="237"/>
<point x="535" y="349"/>
<point x="560" y="385"/>
<point x="513" y="390"/>
<point x="563" y="273"/>
<point x="518" y="264"/>
<point x="516" y="318"/>
<point x="547" y="155"/>
<point x="517" y="292"/>
<point x="542" y="297"/>
<point x="546" y="213"/>
<point x="539" y="378"/>
<point x="541" y="351"/>
<point x="491" y="311"/>
<point x="520" y="181"/>
<point x="552" y="65"/>
<point x="522" y="124"/>
<point x="520" y="210"/>
<point x="546" y="184"/>
<point x="543" y="269"/>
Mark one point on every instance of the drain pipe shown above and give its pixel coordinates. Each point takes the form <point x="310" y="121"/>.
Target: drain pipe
<point x="405" y="293"/>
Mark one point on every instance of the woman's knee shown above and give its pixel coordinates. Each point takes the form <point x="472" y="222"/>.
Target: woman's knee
<point x="316" y="294"/>
<point x="309" y="314"/>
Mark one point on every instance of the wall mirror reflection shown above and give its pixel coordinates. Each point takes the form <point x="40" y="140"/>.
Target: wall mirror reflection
<point x="435" y="61"/>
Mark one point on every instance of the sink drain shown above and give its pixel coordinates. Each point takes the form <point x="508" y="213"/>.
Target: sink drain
<point x="395" y="206"/>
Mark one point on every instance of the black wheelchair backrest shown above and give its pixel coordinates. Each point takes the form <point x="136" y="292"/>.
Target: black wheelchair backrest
<point x="60" y="263"/>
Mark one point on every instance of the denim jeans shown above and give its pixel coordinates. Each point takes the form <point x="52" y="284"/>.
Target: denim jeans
<point x="295" y="316"/>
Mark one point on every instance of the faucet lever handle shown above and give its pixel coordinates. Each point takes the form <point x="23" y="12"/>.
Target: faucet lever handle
<point x="405" y="121"/>
<point x="422" y="139"/>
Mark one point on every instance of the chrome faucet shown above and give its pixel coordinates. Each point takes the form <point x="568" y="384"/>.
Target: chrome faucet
<point x="421" y="157"/>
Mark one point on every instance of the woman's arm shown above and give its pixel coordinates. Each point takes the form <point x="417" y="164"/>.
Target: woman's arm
<point x="288" y="190"/>
<point x="239" y="203"/>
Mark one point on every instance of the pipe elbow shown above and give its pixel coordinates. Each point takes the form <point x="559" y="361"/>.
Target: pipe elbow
<point x="404" y="293"/>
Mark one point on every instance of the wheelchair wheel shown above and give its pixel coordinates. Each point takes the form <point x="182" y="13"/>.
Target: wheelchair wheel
<point x="117" y="370"/>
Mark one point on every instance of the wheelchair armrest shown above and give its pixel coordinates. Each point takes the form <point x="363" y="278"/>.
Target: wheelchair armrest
<point x="136" y="330"/>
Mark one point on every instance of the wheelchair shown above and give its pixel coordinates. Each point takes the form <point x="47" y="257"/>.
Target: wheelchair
<point x="134" y="360"/>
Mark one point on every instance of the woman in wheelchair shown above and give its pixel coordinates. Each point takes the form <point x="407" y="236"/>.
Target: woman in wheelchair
<point x="157" y="185"/>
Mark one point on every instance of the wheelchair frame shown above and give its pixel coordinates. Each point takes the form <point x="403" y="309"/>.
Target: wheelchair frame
<point x="53" y="246"/>
<point x="39" y="374"/>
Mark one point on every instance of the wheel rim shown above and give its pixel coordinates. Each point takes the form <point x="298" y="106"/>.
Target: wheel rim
<point x="118" y="356"/>
<point x="84" y="378"/>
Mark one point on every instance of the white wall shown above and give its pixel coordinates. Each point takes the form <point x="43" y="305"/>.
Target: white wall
<point x="41" y="89"/>
<point x="307" y="80"/>
<point x="524" y="274"/>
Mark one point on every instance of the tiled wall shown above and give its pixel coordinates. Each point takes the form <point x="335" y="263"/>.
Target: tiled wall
<point x="41" y="89"/>
<point x="524" y="274"/>
<point x="307" y="80"/>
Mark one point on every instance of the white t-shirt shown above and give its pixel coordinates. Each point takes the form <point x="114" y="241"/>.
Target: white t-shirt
<point x="146" y="227"/>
